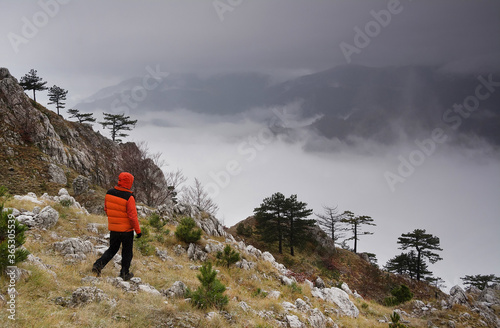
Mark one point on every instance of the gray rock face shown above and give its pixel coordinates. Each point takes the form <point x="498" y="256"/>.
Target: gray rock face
<point x="178" y="289"/>
<point x="317" y="319"/>
<point x="195" y="253"/>
<point x="245" y="265"/>
<point x="293" y="321"/>
<point x="457" y="296"/>
<point x="319" y="283"/>
<point x="74" y="249"/>
<point x="338" y="297"/>
<point x="57" y="174"/>
<point x="88" y="294"/>
<point x="47" y="218"/>
<point x="80" y="185"/>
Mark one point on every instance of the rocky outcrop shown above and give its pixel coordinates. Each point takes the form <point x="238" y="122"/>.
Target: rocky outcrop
<point x="178" y="289"/>
<point x="60" y="145"/>
<point x="338" y="297"/>
<point x="85" y="295"/>
<point x="74" y="249"/>
<point x="195" y="253"/>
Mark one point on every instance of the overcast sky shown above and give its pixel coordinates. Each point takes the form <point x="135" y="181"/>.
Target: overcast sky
<point x="84" y="46"/>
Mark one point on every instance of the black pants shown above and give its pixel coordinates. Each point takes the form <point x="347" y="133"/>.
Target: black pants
<point x="126" y="239"/>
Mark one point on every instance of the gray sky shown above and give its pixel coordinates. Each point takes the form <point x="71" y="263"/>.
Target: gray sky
<point x="84" y="46"/>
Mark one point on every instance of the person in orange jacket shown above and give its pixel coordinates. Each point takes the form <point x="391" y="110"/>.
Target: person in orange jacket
<point x="119" y="205"/>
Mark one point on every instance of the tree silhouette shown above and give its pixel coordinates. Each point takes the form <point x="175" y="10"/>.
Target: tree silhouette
<point x="117" y="123"/>
<point x="406" y="263"/>
<point x="81" y="117"/>
<point x="197" y="195"/>
<point x="295" y="213"/>
<point x="480" y="281"/>
<point x="56" y="96"/>
<point x="424" y="244"/>
<point x="329" y="222"/>
<point x="31" y="81"/>
<point x="355" y="226"/>
<point x="270" y="217"/>
<point x="283" y="220"/>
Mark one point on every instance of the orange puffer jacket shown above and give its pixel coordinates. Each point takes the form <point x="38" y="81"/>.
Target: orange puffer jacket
<point x="119" y="205"/>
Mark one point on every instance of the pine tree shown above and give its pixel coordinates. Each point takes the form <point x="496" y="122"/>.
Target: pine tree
<point x="56" y="96"/>
<point x="81" y="117"/>
<point x="283" y="220"/>
<point x="423" y="244"/>
<point x="407" y="263"/>
<point x="270" y="217"/>
<point x="228" y="256"/>
<point x="355" y="226"/>
<point x="117" y="123"/>
<point x="31" y="81"/>
<point x="295" y="213"/>
<point x="209" y="294"/>
<point x="480" y="281"/>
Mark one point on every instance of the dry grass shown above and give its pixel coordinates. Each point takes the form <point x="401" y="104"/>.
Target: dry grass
<point x="37" y="293"/>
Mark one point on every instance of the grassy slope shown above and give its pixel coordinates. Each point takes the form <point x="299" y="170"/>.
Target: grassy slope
<point x="37" y="293"/>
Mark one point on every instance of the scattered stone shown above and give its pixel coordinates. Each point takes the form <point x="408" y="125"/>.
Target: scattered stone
<point x="338" y="297"/>
<point x="287" y="306"/>
<point x="179" y="250"/>
<point x="213" y="246"/>
<point x="38" y="262"/>
<point x="47" y="218"/>
<point x="178" y="289"/>
<point x="74" y="249"/>
<point x="80" y="185"/>
<point x="294" y="322"/>
<point x="346" y="288"/>
<point x="274" y="294"/>
<point x="317" y="319"/>
<point x="162" y="254"/>
<point x="245" y="265"/>
<point x="457" y="296"/>
<point x="302" y="306"/>
<point x="57" y="174"/>
<point x="195" y="253"/>
<point x="286" y="281"/>
<point x="319" y="283"/>
<point x="244" y="306"/>
<point x="89" y="294"/>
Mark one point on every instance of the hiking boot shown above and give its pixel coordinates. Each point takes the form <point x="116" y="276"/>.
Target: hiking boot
<point x="96" y="270"/>
<point x="126" y="276"/>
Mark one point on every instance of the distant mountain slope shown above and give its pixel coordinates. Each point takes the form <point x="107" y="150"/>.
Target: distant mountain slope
<point x="40" y="150"/>
<point x="382" y="104"/>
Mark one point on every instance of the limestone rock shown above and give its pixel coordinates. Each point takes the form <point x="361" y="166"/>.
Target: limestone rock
<point x="319" y="283"/>
<point x="57" y="174"/>
<point x="47" y="218"/>
<point x="195" y="253"/>
<point x="88" y="294"/>
<point x="346" y="288"/>
<point x="293" y="321"/>
<point x="245" y="265"/>
<point x="178" y="289"/>
<point x="317" y="319"/>
<point x="457" y="296"/>
<point x="338" y="297"/>
<point x="302" y="306"/>
<point x="74" y="249"/>
<point x="80" y="185"/>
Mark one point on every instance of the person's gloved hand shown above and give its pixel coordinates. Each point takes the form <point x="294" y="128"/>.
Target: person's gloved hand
<point x="139" y="235"/>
